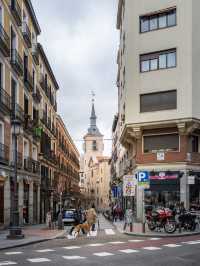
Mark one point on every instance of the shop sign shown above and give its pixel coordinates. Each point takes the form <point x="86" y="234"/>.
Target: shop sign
<point x="143" y="179"/>
<point x="160" y="156"/>
<point x="191" y="180"/>
<point x="129" y="186"/>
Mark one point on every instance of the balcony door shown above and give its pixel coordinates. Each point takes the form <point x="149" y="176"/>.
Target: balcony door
<point x="26" y="104"/>
<point x="13" y="40"/>
<point x="25" y="66"/>
<point x="14" y="97"/>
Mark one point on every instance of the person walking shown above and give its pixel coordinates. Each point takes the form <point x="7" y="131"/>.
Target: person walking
<point x="91" y="217"/>
<point x="49" y="220"/>
<point x="128" y="219"/>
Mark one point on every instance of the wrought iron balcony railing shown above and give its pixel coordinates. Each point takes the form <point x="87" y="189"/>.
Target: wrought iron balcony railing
<point x="19" y="159"/>
<point x="16" y="12"/>
<point x="17" y="112"/>
<point x="4" y="42"/>
<point x="37" y="96"/>
<point x="4" y="154"/>
<point x="26" y="33"/>
<point x="5" y="101"/>
<point x="16" y="62"/>
<point x="28" y="80"/>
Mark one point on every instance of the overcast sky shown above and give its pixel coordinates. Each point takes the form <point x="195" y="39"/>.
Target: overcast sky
<point x="81" y="41"/>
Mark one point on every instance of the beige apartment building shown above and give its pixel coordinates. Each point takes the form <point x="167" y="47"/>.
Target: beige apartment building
<point x="28" y="90"/>
<point x="95" y="168"/>
<point x="158" y="92"/>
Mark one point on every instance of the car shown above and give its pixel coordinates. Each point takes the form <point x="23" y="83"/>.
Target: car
<point x="68" y="217"/>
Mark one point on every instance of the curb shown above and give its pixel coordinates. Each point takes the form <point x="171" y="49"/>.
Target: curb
<point x="162" y="235"/>
<point x="59" y="236"/>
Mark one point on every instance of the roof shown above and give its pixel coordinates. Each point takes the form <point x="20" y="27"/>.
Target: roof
<point x="31" y="11"/>
<point x="44" y="57"/>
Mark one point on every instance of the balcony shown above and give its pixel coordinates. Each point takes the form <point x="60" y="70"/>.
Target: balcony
<point x="16" y="12"/>
<point x="51" y="156"/>
<point x="26" y="34"/>
<point x="35" y="53"/>
<point x="37" y="96"/>
<point x="16" y="62"/>
<point x="4" y="42"/>
<point x="19" y="160"/>
<point x="28" y="81"/>
<point x="4" y="154"/>
<point x="17" y="112"/>
<point x="28" y="164"/>
<point x="35" y="167"/>
<point x="5" y="102"/>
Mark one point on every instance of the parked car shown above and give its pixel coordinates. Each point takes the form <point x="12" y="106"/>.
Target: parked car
<point x="68" y="217"/>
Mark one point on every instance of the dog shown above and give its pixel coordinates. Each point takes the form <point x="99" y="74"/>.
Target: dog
<point x="85" y="226"/>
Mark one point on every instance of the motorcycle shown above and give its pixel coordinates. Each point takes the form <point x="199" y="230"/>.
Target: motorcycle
<point x="187" y="220"/>
<point x="161" y="218"/>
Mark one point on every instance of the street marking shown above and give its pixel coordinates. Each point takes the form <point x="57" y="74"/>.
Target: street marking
<point x="36" y="260"/>
<point x="13" y="253"/>
<point x="96" y="245"/>
<point x="155" y="238"/>
<point x="92" y="233"/>
<point x="151" y="248"/>
<point x="116" y="242"/>
<point x="103" y="254"/>
<point x="45" y="250"/>
<point x="192" y="242"/>
<point x="172" y="245"/>
<point x="7" y="263"/>
<point x="109" y="232"/>
<point x="71" y="247"/>
<point x="129" y="251"/>
<point x="73" y="257"/>
<point x="136" y="240"/>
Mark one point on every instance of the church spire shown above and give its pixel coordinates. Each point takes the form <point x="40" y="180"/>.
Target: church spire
<point x="93" y="119"/>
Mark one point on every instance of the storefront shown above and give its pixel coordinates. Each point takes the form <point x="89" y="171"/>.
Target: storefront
<point x="194" y="190"/>
<point x="164" y="189"/>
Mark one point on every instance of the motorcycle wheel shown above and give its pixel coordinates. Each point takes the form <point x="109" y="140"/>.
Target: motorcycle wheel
<point x="170" y="227"/>
<point x="151" y="226"/>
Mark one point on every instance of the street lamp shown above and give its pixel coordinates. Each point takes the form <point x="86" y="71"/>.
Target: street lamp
<point x="15" y="231"/>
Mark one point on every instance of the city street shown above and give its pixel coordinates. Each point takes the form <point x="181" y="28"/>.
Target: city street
<point x="109" y="247"/>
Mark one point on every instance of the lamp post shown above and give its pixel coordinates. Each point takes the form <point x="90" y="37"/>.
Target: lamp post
<point x="15" y="231"/>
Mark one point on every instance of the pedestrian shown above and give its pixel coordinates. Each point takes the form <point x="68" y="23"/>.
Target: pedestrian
<point x="91" y="217"/>
<point x="49" y="220"/>
<point x="128" y="218"/>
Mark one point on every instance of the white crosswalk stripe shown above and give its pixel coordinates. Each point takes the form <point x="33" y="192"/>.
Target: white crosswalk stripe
<point x="109" y="232"/>
<point x="103" y="254"/>
<point x="129" y="251"/>
<point x="155" y="238"/>
<point x="152" y="248"/>
<point x="96" y="245"/>
<point x="37" y="260"/>
<point x="116" y="242"/>
<point x="136" y="240"/>
<point x="7" y="263"/>
<point x="192" y="242"/>
<point x="44" y="250"/>
<point x="13" y="253"/>
<point x="172" y="245"/>
<point x="73" y="257"/>
<point x="72" y="247"/>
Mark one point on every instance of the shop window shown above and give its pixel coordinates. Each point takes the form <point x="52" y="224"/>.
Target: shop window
<point x="154" y="143"/>
<point x="158" y="101"/>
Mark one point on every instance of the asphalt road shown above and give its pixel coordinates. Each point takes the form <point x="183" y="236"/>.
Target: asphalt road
<point x="108" y="248"/>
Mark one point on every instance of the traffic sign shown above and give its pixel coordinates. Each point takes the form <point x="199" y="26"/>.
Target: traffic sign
<point x="143" y="179"/>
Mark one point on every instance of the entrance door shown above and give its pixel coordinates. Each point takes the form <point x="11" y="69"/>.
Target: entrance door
<point x="1" y="203"/>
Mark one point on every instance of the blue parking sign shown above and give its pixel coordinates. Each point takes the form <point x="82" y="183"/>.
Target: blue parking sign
<point x="143" y="179"/>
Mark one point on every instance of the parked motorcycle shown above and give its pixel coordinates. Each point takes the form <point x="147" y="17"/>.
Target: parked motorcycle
<point x="187" y="220"/>
<point x="161" y="218"/>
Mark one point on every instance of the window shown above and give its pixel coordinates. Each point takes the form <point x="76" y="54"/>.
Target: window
<point x="194" y="143"/>
<point x="158" y="60"/>
<point x="158" y="21"/>
<point x="158" y="101"/>
<point x="94" y="145"/>
<point x="154" y="143"/>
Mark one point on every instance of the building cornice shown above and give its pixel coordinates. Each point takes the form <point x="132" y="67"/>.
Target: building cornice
<point x="44" y="57"/>
<point x="31" y="11"/>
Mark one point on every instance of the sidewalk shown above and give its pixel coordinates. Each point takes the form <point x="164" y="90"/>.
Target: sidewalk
<point x="137" y="231"/>
<point x="33" y="234"/>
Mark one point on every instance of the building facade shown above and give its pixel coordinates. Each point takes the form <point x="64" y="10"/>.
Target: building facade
<point x="158" y="89"/>
<point x="95" y="168"/>
<point x="67" y="181"/>
<point x="28" y="91"/>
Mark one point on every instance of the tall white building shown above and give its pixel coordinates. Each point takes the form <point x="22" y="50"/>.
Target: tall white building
<point x="158" y="94"/>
